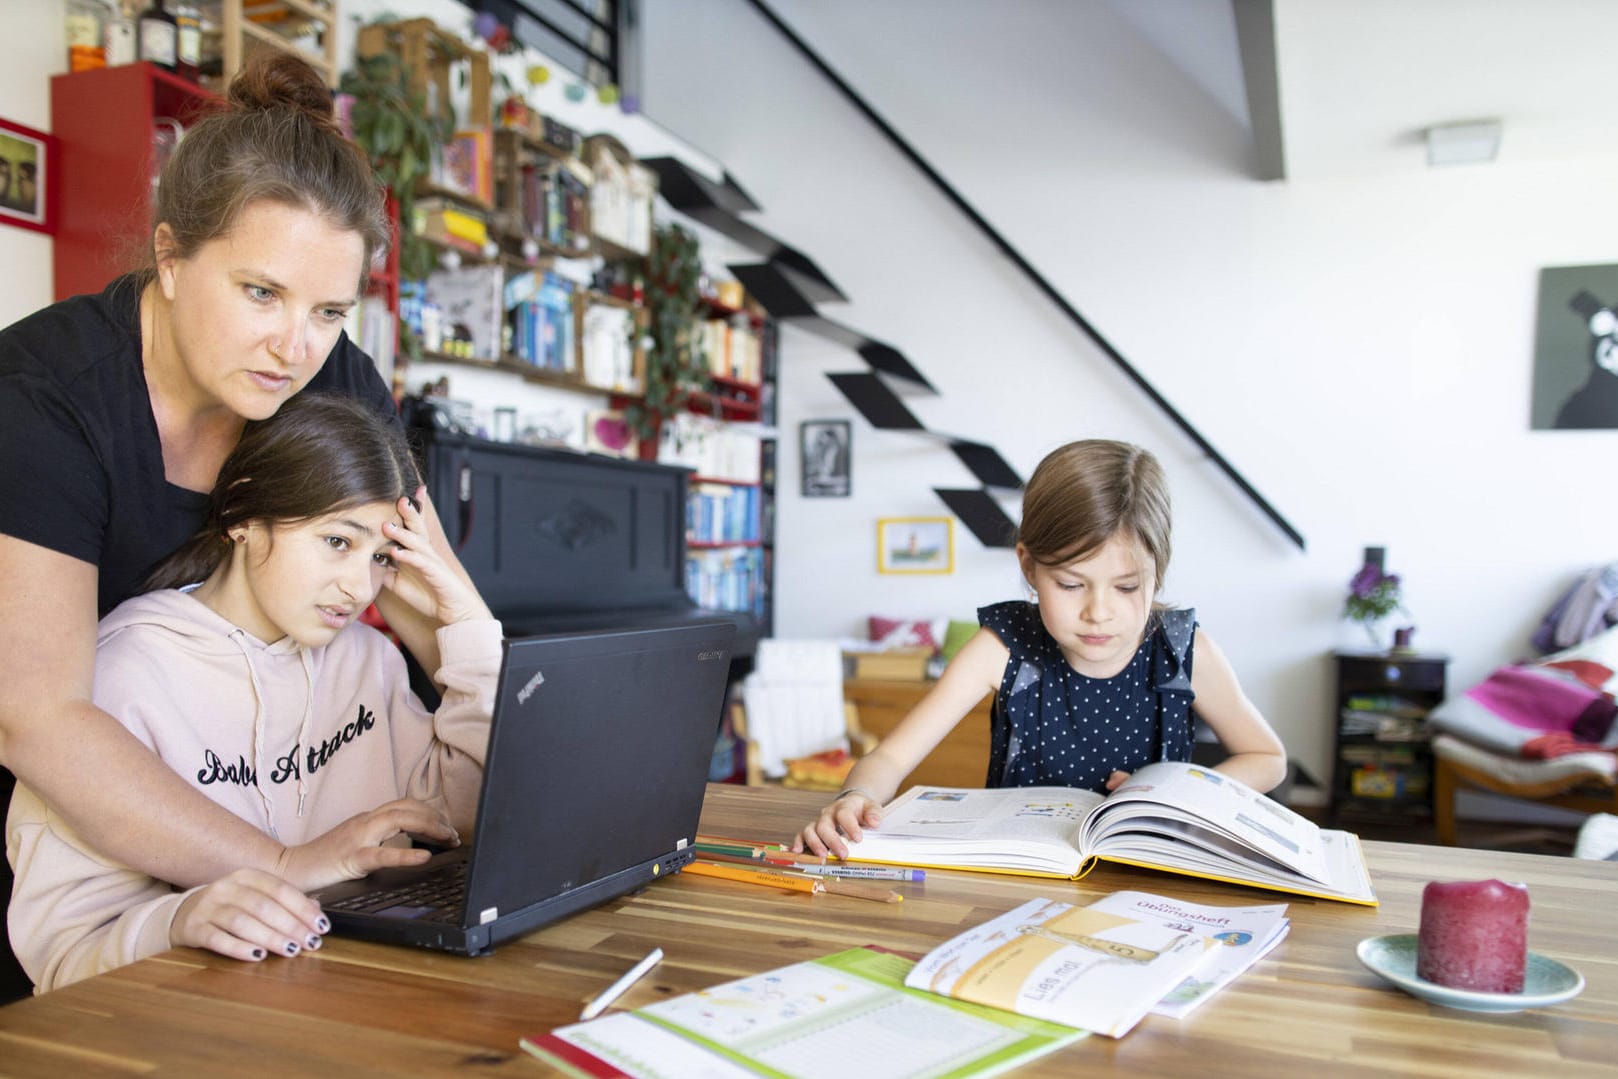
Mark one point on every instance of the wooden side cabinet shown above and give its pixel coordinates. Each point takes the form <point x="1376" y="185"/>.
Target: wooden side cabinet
<point x="1382" y="762"/>
<point x="960" y="760"/>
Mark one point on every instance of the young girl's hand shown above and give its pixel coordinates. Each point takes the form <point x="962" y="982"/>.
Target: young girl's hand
<point x="423" y="579"/>
<point x="845" y="816"/>
<point x="354" y="848"/>
<point x="248" y="915"/>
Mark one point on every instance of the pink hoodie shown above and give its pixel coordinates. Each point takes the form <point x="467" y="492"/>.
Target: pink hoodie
<point x="294" y="740"/>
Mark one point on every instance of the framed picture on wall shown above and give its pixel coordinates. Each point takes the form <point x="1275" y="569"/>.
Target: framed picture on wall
<point x="827" y="451"/>
<point x="915" y="545"/>
<point x="27" y="177"/>
<point x="1576" y="349"/>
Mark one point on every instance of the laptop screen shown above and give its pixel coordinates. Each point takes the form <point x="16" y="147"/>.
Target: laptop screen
<point x="598" y="759"/>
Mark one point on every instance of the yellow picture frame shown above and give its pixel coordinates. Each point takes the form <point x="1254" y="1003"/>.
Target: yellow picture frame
<point x="915" y="545"/>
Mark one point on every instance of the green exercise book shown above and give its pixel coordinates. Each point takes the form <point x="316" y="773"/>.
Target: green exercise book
<point x="803" y="1022"/>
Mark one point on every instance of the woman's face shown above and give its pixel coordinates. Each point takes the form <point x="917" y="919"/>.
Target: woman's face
<point x="255" y="312"/>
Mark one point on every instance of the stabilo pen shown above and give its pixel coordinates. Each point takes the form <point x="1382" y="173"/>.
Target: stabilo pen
<point x="870" y="872"/>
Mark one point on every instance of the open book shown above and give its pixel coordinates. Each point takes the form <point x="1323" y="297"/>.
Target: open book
<point x="846" y="1014"/>
<point x="1077" y="966"/>
<point x="1245" y="935"/>
<point x="1181" y="818"/>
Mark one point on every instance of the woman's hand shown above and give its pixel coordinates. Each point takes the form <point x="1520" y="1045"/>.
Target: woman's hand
<point x="846" y="816"/>
<point x="423" y="578"/>
<point x="248" y="914"/>
<point x="1117" y="779"/>
<point x="354" y="848"/>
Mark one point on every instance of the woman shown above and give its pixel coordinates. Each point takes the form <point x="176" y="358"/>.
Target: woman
<point x="116" y="411"/>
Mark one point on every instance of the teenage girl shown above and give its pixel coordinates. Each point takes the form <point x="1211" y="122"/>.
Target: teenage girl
<point x="1092" y="678"/>
<point x="258" y="688"/>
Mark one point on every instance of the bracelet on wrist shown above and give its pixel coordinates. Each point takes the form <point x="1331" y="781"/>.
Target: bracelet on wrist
<point x="846" y="791"/>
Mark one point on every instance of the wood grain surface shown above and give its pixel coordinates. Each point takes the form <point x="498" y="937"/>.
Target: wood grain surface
<point x="1309" y="1009"/>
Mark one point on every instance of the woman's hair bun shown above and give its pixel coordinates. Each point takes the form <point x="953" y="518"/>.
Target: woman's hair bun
<point x="274" y="78"/>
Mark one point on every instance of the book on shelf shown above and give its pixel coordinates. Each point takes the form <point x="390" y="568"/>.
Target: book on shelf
<point x="1078" y="966"/>
<point x="467" y="164"/>
<point x="1176" y="817"/>
<point x="607" y="348"/>
<point x="471" y="298"/>
<point x="1245" y="935"/>
<point x="726" y="578"/>
<point x="797" y="1020"/>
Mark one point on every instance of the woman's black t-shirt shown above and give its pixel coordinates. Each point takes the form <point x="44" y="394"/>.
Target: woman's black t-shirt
<point x="81" y="467"/>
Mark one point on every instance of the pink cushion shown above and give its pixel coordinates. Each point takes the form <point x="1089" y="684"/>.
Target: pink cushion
<point x="901" y="633"/>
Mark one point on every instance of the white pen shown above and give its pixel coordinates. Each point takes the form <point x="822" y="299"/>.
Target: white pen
<point x="616" y="989"/>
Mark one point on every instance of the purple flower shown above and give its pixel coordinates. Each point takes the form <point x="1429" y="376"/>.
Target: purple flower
<point x="1365" y="581"/>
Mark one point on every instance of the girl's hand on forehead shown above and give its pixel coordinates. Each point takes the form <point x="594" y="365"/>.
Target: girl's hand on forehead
<point x="422" y="578"/>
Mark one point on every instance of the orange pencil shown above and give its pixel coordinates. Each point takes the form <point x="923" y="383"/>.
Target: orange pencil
<point x="769" y="878"/>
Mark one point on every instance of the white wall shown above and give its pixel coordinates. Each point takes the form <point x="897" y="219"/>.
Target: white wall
<point x="1359" y="348"/>
<point x="37" y="50"/>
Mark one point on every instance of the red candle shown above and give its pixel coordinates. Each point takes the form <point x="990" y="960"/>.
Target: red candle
<point x="1474" y="935"/>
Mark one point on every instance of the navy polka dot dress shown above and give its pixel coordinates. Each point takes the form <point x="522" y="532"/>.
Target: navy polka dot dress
<point x="1054" y="726"/>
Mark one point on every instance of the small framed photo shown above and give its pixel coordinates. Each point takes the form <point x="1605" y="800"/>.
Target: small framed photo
<point x="28" y="181"/>
<point x="915" y="545"/>
<point x="827" y="451"/>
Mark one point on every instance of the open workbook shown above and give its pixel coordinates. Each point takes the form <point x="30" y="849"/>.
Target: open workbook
<point x="1181" y="818"/>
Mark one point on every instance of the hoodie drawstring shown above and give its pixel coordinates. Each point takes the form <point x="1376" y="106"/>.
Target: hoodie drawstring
<point x="238" y="637"/>
<point x="303" y="727"/>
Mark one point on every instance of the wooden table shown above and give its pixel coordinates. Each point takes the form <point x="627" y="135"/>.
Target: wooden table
<point x="1307" y="1010"/>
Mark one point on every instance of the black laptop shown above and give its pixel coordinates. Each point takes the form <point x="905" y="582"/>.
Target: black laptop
<point x="597" y="764"/>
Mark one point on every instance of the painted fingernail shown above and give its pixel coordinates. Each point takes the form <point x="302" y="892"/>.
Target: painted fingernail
<point x="322" y="924"/>
<point x="258" y="953"/>
<point x="312" y="943"/>
<point x="292" y="947"/>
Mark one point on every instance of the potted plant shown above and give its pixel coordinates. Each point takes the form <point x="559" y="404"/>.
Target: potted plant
<point x="1373" y="595"/>
<point x="392" y="125"/>
<point x="676" y="366"/>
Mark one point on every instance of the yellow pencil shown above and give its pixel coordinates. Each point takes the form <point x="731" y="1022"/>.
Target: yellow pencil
<point x="794" y="881"/>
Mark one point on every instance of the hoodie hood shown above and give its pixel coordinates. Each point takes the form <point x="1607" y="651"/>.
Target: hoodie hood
<point x="191" y="624"/>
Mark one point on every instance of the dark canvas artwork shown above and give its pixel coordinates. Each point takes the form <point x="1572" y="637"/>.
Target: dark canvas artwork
<point x="1576" y="349"/>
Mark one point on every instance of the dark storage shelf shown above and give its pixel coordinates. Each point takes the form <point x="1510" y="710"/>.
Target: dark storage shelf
<point x="1375" y="777"/>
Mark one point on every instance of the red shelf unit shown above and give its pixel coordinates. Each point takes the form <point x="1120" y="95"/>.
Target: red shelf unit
<point x="103" y="122"/>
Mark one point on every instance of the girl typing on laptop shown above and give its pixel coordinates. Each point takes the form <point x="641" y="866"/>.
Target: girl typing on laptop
<point x="244" y="669"/>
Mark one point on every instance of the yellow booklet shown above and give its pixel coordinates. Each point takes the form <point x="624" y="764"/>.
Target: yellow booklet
<point x="1078" y="966"/>
<point x="1177" y="817"/>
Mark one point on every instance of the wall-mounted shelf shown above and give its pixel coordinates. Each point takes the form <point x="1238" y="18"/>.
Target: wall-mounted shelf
<point x="103" y="122"/>
<point x="250" y="25"/>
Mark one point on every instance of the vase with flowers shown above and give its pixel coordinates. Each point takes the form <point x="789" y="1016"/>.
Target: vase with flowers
<point x="1373" y="596"/>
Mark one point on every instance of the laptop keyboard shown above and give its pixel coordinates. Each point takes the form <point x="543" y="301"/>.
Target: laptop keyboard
<point x="440" y="896"/>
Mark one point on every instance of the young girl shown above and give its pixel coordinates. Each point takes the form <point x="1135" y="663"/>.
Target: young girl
<point x="1092" y="679"/>
<point x="258" y="687"/>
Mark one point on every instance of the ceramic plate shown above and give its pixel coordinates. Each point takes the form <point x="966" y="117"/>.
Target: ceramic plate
<point x="1545" y="981"/>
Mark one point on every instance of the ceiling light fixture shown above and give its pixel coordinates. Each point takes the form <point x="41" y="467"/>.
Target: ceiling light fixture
<point x="1470" y="143"/>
